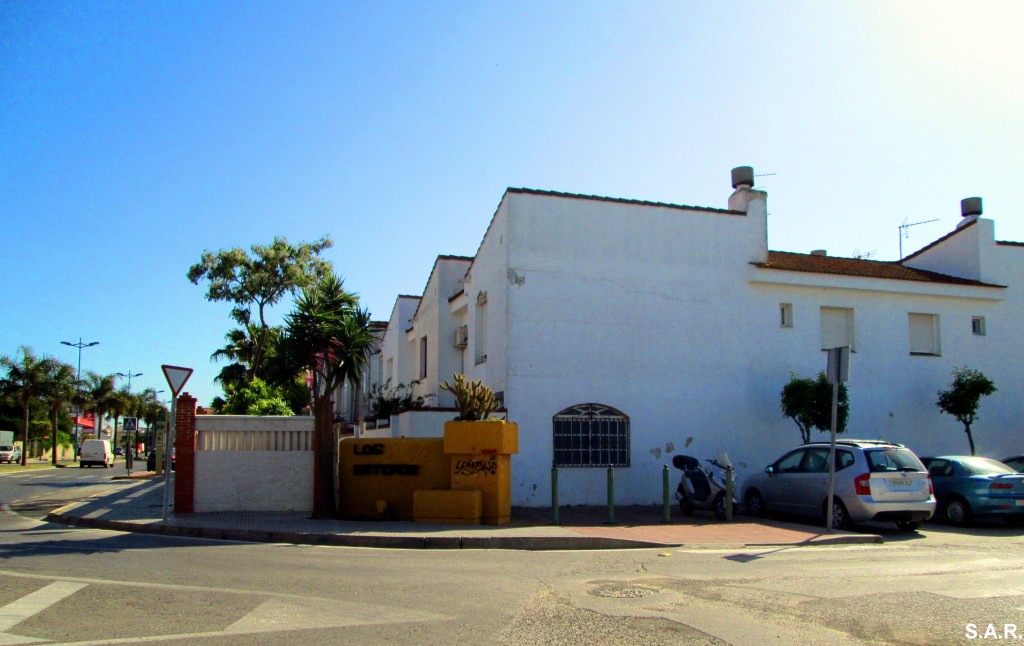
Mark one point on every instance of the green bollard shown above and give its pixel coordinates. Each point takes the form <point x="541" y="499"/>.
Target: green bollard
<point x="554" y="495"/>
<point x="667" y="511"/>
<point x="611" y="496"/>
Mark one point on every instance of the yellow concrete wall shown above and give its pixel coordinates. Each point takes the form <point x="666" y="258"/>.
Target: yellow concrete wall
<point x="447" y="506"/>
<point x="388" y="470"/>
<point x="491" y="475"/>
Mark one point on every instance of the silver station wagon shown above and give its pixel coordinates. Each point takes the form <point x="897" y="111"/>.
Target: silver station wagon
<point x="875" y="481"/>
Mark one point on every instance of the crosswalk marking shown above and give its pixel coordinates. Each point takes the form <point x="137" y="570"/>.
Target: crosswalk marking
<point x="18" y="611"/>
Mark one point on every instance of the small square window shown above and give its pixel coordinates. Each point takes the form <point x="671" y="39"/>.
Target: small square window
<point x="978" y="325"/>
<point x="785" y="315"/>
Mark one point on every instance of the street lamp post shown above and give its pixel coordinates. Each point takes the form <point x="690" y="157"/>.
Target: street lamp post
<point x="78" y="383"/>
<point x="127" y="444"/>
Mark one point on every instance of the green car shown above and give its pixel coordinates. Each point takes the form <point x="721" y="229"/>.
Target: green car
<point x="967" y="486"/>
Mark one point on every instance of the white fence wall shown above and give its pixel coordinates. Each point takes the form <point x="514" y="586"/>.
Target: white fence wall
<point x="250" y="463"/>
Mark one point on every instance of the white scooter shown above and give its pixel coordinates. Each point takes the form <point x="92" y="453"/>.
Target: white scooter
<point x="704" y="488"/>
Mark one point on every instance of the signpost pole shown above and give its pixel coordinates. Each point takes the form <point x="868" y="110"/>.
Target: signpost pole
<point x="838" y="372"/>
<point x="176" y="377"/>
<point x="168" y="451"/>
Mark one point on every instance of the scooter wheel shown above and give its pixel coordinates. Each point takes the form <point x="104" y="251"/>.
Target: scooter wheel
<point x="720" y="508"/>
<point x="686" y="509"/>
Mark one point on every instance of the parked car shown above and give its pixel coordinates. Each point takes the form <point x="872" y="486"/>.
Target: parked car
<point x="119" y="450"/>
<point x="151" y="461"/>
<point x="875" y="480"/>
<point x="1015" y="462"/>
<point x="10" y="454"/>
<point x="968" y="486"/>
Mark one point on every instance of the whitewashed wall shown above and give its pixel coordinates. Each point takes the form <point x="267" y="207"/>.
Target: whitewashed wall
<point x="251" y="463"/>
<point x="656" y="310"/>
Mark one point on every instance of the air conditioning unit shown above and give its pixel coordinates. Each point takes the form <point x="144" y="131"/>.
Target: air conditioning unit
<point x="461" y="336"/>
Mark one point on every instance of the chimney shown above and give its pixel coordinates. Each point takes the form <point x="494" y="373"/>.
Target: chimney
<point x="970" y="210"/>
<point x="742" y="181"/>
<point x="743" y="177"/>
<point x="819" y="252"/>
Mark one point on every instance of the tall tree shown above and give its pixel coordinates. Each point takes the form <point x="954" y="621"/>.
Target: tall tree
<point x="259" y="280"/>
<point x="25" y="382"/>
<point x="808" y="402"/>
<point x="963" y="398"/>
<point x="120" y="403"/>
<point x="58" y="391"/>
<point x="333" y="335"/>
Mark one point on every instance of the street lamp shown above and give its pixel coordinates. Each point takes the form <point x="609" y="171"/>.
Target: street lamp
<point x="78" y="383"/>
<point x="127" y="444"/>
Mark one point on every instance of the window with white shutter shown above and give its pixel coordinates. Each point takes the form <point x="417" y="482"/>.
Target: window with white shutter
<point x="924" y="334"/>
<point x="837" y="328"/>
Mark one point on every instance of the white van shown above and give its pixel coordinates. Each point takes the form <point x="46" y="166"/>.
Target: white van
<point x="96" y="452"/>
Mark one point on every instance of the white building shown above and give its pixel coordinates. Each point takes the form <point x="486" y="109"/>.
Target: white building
<point x="621" y="332"/>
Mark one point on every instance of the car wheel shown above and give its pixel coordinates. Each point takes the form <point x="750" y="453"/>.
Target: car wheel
<point x="958" y="511"/>
<point x="840" y="517"/>
<point x="908" y="525"/>
<point x="754" y="503"/>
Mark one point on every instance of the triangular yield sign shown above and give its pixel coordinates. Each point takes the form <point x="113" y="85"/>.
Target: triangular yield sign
<point x="176" y="377"/>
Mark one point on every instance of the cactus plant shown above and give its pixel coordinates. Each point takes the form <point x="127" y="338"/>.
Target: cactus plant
<point x="475" y="400"/>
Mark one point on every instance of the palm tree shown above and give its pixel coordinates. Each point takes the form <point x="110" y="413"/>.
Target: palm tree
<point x="58" y="391"/>
<point x="99" y="389"/>
<point x="149" y="410"/>
<point x="25" y="382"/>
<point x="241" y="349"/>
<point x="120" y="403"/>
<point x="329" y="331"/>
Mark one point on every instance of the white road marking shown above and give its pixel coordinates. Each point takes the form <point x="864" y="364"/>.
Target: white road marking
<point x="18" y="611"/>
<point x="279" y="612"/>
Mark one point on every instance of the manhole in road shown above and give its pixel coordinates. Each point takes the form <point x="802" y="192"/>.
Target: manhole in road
<point x="623" y="591"/>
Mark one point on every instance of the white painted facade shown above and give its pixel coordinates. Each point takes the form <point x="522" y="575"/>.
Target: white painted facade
<point x="672" y="315"/>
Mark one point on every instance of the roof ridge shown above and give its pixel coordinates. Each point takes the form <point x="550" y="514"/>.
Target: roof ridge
<point x="620" y="200"/>
<point x="881" y="269"/>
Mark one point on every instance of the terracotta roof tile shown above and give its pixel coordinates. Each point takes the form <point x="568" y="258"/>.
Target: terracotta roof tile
<point x="786" y="261"/>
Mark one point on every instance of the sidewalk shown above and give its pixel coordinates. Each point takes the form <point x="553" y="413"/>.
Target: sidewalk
<point x="139" y="508"/>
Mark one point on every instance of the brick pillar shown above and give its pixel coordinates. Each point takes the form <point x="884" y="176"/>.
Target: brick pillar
<point x="185" y="454"/>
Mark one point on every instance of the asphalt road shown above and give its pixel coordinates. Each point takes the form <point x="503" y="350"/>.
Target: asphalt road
<point x="72" y="585"/>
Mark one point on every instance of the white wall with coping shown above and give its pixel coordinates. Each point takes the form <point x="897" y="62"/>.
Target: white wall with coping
<point x="417" y="423"/>
<point x="278" y="480"/>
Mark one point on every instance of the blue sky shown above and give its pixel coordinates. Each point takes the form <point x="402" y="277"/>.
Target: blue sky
<point x="136" y="135"/>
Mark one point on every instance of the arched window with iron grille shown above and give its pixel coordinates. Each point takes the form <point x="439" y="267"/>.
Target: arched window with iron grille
<point x="591" y="435"/>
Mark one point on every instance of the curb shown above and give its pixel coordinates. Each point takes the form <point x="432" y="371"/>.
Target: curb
<point x="522" y="543"/>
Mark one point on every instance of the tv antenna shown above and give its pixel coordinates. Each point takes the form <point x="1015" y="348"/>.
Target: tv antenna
<point x="763" y="175"/>
<point x="903" y="231"/>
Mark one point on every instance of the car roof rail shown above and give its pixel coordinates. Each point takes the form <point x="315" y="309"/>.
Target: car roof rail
<point x="854" y="442"/>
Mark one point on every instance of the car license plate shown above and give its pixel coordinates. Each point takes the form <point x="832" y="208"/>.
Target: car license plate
<point x="901" y="483"/>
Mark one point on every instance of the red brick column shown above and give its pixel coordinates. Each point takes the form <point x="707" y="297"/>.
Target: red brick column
<point x="185" y="454"/>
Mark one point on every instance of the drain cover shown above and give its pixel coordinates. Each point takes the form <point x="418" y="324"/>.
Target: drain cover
<point x="623" y="591"/>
